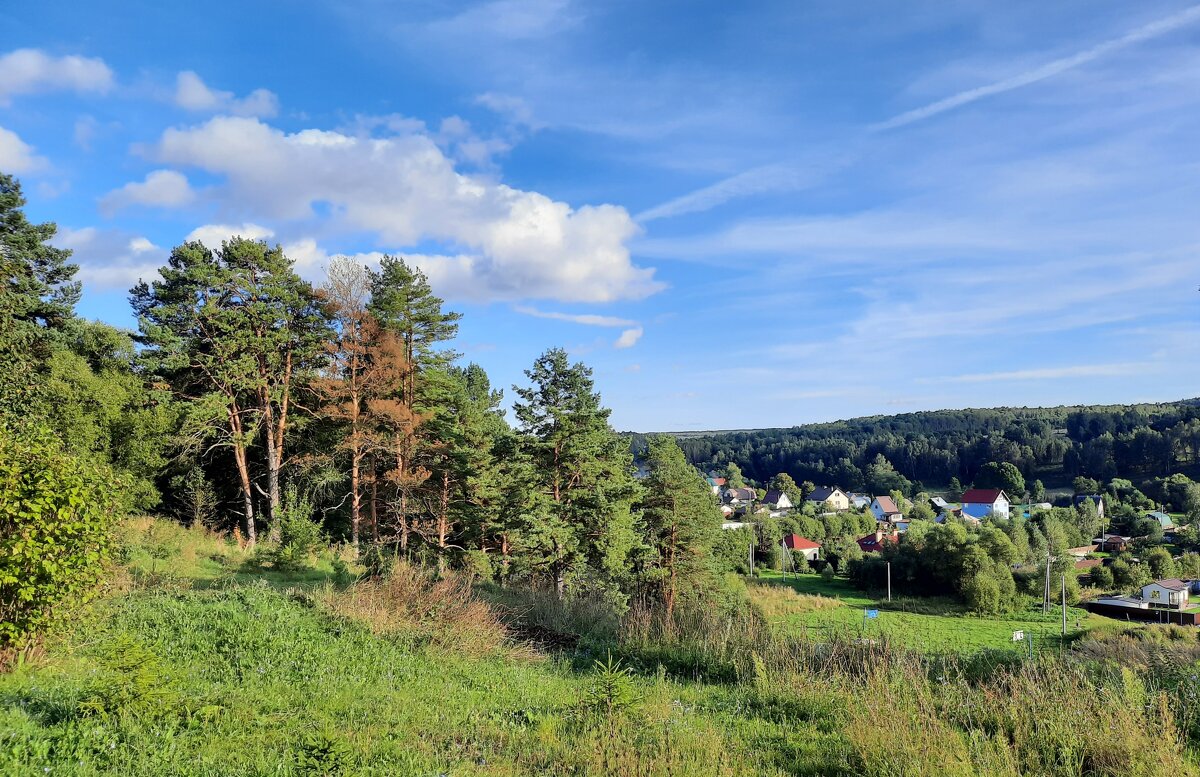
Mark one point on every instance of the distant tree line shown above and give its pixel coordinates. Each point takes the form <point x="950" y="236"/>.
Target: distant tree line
<point x="935" y="449"/>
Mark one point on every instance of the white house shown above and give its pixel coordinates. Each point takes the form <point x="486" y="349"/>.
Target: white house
<point x="885" y="509"/>
<point x="777" y="500"/>
<point x="984" y="502"/>
<point x="832" y="498"/>
<point x="1172" y="593"/>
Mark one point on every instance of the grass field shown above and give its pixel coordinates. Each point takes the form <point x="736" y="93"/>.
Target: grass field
<point x="199" y="662"/>
<point x="940" y="625"/>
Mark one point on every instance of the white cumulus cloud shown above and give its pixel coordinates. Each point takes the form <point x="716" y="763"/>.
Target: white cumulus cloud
<point x="212" y="235"/>
<point x="17" y="156"/>
<point x="28" y="71"/>
<point x="161" y="189"/>
<point x="111" y="258"/>
<point x="499" y="242"/>
<point x="192" y="94"/>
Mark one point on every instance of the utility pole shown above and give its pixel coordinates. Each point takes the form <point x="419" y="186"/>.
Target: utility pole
<point x="889" y="573"/>
<point x="1064" y="604"/>
<point x="1046" y="595"/>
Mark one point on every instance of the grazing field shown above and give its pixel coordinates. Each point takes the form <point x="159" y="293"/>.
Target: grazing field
<point x="822" y="609"/>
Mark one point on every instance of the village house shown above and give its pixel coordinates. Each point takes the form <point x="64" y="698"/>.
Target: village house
<point x="1168" y="599"/>
<point x="938" y="504"/>
<point x="802" y="546"/>
<point x="985" y="502"/>
<point x="873" y="543"/>
<point x="1172" y="593"/>
<point x="738" y="496"/>
<point x="831" y="498"/>
<point x="777" y="500"/>
<point x="1165" y="521"/>
<point x="884" y="509"/>
<point x="716" y="484"/>
<point x="1112" y="543"/>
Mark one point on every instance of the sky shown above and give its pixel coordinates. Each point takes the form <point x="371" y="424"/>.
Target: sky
<point x="739" y="215"/>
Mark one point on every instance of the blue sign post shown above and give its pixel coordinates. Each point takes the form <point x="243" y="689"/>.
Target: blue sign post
<point x="869" y="615"/>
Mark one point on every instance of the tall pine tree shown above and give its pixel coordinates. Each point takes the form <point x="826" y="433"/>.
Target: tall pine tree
<point x="584" y="469"/>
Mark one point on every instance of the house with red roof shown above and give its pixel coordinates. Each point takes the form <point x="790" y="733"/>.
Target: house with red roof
<point x="873" y="543"/>
<point x="802" y="546"/>
<point x="986" y="502"/>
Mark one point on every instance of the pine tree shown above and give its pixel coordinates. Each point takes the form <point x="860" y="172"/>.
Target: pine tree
<point x="233" y="331"/>
<point x="584" y="469"/>
<point x="38" y="294"/>
<point x="680" y="520"/>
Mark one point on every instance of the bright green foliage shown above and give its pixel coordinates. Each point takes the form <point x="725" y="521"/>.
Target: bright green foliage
<point x="232" y="331"/>
<point x="733" y="476"/>
<point x="584" y="532"/>
<point x="680" y="521"/>
<point x="1003" y="475"/>
<point x="56" y="515"/>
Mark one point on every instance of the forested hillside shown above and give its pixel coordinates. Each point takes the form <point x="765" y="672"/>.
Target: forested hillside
<point x="933" y="449"/>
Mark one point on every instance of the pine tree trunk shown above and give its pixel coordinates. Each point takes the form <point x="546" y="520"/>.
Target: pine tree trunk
<point x="443" y="521"/>
<point x="273" y="487"/>
<point x="355" y="499"/>
<point x="374" y="500"/>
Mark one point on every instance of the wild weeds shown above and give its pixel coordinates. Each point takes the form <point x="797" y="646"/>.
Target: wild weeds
<point x="411" y="602"/>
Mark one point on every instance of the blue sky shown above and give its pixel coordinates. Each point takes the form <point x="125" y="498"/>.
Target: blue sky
<point x="740" y="215"/>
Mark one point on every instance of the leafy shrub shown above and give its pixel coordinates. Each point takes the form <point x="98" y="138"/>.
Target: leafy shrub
<point x="56" y="517"/>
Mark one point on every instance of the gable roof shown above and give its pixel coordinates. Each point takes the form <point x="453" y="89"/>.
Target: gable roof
<point x="796" y="542"/>
<point x="1163" y="519"/>
<point x="716" y="481"/>
<point x="773" y="496"/>
<point x="1172" y="584"/>
<point x="886" y="504"/>
<point x="938" y="502"/>
<point x="983" y="496"/>
<point x="823" y="493"/>
<point x="745" y="494"/>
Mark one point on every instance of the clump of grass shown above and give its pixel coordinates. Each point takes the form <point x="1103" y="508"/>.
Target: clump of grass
<point x="777" y="600"/>
<point x="411" y="602"/>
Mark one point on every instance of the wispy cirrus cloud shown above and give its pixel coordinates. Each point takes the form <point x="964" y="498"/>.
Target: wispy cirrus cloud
<point x="587" y="319"/>
<point x="1049" y="70"/>
<point x="628" y="338"/>
<point x="1124" y="369"/>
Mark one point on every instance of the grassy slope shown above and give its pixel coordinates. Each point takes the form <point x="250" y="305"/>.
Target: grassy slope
<point x="247" y="677"/>
<point x="197" y="665"/>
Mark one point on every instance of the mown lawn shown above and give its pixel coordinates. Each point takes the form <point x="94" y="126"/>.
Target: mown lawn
<point x="940" y="626"/>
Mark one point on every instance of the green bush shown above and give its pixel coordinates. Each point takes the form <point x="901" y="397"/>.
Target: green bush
<point x="56" y="518"/>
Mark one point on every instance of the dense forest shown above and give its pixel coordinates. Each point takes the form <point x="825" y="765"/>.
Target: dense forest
<point x="939" y="449"/>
